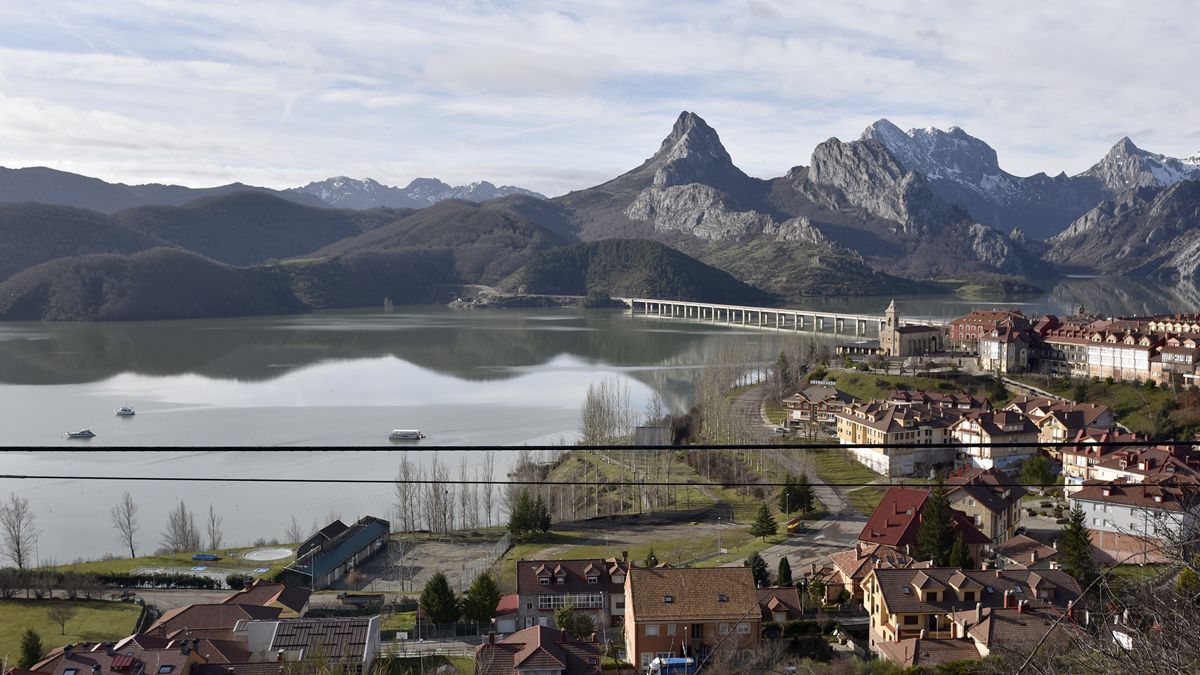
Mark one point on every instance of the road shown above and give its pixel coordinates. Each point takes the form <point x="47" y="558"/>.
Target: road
<point x="836" y="531"/>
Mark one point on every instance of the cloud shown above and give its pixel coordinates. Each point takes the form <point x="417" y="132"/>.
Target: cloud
<point x="557" y="96"/>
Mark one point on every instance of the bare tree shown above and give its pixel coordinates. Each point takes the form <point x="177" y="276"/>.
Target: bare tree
<point x="464" y="495"/>
<point x="125" y="520"/>
<point x="489" y="472"/>
<point x="214" y="529"/>
<point x="607" y="415"/>
<point x="407" y="493"/>
<point x="18" y="535"/>
<point x="181" y="533"/>
<point x="435" y="499"/>
<point x="294" y="534"/>
<point x="60" y="613"/>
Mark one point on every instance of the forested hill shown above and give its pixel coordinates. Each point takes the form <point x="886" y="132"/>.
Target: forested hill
<point x="626" y="268"/>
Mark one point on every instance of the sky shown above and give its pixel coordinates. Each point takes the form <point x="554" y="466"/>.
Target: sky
<point x="558" y="96"/>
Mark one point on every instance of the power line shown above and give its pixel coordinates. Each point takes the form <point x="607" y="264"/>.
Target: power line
<point x="596" y="447"/>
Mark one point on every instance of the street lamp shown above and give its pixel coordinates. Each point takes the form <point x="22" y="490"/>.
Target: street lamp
<point x="718" y="534"/>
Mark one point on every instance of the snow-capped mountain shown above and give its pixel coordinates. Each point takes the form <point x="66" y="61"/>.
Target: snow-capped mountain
<point x="1128" y="167"/>
<point x="366" y="193"/>
<point x="964" y="170"/>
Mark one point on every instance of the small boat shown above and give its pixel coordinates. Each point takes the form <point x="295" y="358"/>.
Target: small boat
<point x="124" y="411"/>
<point x="82" y="433"/>
<point x="405" y="435"/>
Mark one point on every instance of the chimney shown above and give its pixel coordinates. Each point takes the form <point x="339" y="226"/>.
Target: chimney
<point x="1007" y="604"/>
<point x="624" y="556"/>
<point x="1071" y="610"/>
<point x="924" y="633"/>
<point x="280" y="656"/>
<point x="978" y="613"/>
<point x="491" y="637"/>
<point x="68" y="650"/>
<point x="1033" y="556"/>
<point x="983" y="565"/>
<point x="95" y="669"/>
<point x="184" y="647"/>
<point x="111" y="648"/>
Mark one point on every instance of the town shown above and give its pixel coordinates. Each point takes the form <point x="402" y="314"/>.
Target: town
<point x="961" y="523"/>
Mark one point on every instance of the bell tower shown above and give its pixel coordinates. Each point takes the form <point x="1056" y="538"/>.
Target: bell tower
<point x="889" y="338"/>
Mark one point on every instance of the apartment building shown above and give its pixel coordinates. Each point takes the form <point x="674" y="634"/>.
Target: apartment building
<point x="814" y="409"/>
<point x="1133" y="522"/>
<point x="978" y="430"/>
<point x="592" y="586"/>
<point x="989" y="498"/>
<point x="906" y="426"/>
<point x="690" y="612"/>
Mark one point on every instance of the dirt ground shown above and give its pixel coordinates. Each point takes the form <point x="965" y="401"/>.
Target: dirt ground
<point x="405" y="567"/>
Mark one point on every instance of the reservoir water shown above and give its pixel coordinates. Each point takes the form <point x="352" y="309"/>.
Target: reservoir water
<point x="504" y="378"/>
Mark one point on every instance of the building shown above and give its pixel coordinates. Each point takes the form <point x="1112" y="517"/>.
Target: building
<point x="592" y="586"/>
<point x="537" y="650"/>
<point x="908" y="426"/>
<point x="901" y="341"/>
<point x="506" y="614"/>
<point x="850" y="567"/>
<point x="690" y="611"/>
<point x="348" y="645"/>
<point x="179" y="657"/>
<point x="1024" y="553"/>
<point x="950" y="401"/>
<point x="1138" y="464"/>
<point x="813" y="410"/>
<point x="292" y="601"/>
<point x="1005" y="349"/>
<point x="907" y="604"/>
<point x="894" y="523"/>
<point x="331" y="553"/>
<point x="989" y="498"/>
<point x="780" y="604"/>
<point x="965" y="331"/>
<point x="978" y="430"/>
<point x="211" y="621"/>
<point x="1133" y="522"/>
<point x="1059" y="420"/>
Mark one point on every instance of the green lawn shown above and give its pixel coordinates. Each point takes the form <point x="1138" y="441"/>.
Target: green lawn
<point x="429" y="664"/>
<point x="1134" y="405"/>
<point x="870" y="386"/>
<point x="177" y="560"/>
<point x="94" y="621"/>
<point x="776" y="413"/>
<point x="866" y="499"/>
<point x="836" y="466"/>
<point x="401" y="621"/>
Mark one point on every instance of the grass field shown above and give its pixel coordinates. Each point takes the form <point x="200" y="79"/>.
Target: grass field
<point x="180" y="561"/>
<point x="94" y="621"/>
<point x="1134" y="405"/>
<point x="869" y="386"/>
<point x="430" y="664"/>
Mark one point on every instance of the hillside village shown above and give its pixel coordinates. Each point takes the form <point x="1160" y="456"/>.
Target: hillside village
<point x="959" y="521"/>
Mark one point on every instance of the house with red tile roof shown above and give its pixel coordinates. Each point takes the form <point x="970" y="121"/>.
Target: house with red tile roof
<point x="850" y="567"/>
<point x="592" y="586"/>
<point x="1022" y="552"/>
<point x="1130" y="522"/>
<point x="175" y="657"/>
<point x="539" y="649"/>
<point x="895" y="522"/>
<point x="213" y="621"/>
<point x="291" y="600"/>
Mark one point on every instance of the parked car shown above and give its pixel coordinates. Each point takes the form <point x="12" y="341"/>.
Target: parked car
<point x="781" y="431"/>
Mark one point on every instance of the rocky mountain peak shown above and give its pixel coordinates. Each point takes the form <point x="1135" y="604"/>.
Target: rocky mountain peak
<point x="692" y="153"/>
<point x="1128" y="167"/>
<point x="692" y="138"/>
<point x="952" y="154"/>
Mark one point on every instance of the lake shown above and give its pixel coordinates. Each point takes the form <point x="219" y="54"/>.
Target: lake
<point x="487" y="377"/>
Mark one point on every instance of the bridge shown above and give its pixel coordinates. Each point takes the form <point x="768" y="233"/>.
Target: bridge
<point x="775" y="318"/>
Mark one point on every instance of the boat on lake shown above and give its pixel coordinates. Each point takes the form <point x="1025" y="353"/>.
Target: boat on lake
<point x="124" y="411"/>
<point x="406" y="435"/>
<point x="82" y="433"/>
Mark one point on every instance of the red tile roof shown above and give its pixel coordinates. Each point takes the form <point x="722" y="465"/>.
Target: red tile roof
<point x="537" y="648"/>
<point x="896" y="520"/>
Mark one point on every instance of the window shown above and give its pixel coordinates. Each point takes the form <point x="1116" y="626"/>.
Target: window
<point x="724" y="629"/>
<point x="651" y="630"/>
<point x="668" y="599"/>
<point x="743" y="629"/>
<point x="163" y="670"/>
<point x="722" y="598"/>
<point x="910" y="620"/>
<point x="670" y="629"/>
<point x="545" y="581"/>
<point x="529" y="605"/>
<point x="71" y="671"/>
<point x="561" y="580"/>
<point x="593" y="580"/>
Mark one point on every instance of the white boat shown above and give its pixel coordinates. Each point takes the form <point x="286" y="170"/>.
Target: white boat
<point x="82" y="433"/>
<point x="124" y="411"/>
<point x="406" y="435"/>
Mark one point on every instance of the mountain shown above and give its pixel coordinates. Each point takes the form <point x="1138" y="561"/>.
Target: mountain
<point x="50" y="186"/>
<point x="964" y="170"/>
<point x="489" y="241"/>
<point x="31" y="234"/>
<point x="1128" y="167"/>
<point x="160" y="283"/>
<point x="629" y="268"/>
<point x="366" y="193"/>
<point x="250" y="227"/>
<point x="1148" y="231"/>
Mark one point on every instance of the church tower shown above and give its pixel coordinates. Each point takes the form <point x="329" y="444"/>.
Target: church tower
<point x="889" y="337"/>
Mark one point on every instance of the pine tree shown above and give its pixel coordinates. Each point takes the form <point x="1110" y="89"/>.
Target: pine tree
<point x="523" y="518"/>
<point x="959" y="557"/>
<point x="804" y="493"/>
<point x="1075" y="548"/>
<point x="789" y="501"/>
<point x="764" y="523"/>
<point x="438" y="604"/>
<point x="651" y="559"/>
<point x="758" y="567"/>
<point x="784" y="575"/>
<point x="479" y="605"/>
<point x="935" y="534"/>
<point x="541" y="513"/>
<point x="31" y="648"/>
